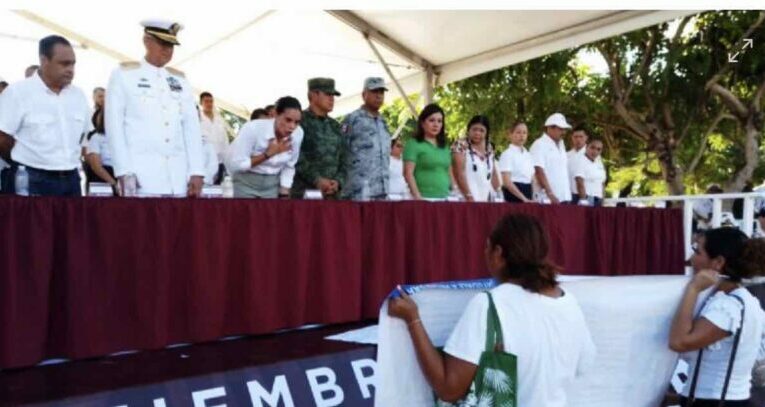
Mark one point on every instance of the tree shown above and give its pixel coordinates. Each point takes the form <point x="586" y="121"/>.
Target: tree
<point x="673" y="111"/>
<point x="740" y="82"/>
<point x="662" y="85"/>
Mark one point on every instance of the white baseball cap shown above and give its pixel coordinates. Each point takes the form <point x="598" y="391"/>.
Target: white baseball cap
<point x="557" y="120"/>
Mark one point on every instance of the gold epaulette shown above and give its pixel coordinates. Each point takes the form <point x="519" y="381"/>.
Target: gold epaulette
<point x="175" y="72"/>
<point x="127" y="65"/>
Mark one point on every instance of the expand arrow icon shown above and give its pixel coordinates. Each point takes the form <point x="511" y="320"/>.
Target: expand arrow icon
<point x="732" y="58"/>
<point x="748" y="43"/>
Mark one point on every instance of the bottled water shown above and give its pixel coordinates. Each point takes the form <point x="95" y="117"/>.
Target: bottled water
<point x="228" y="187"/>
<point x="365" y="191"/>
<point x="22" y="181"/>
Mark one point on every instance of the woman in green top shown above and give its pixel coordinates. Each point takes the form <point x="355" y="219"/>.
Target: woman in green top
<point x="427" y="159"/>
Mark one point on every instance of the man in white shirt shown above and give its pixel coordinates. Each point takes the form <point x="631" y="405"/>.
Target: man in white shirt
<point x="263" y="156"/>
<point x="551" y="161"/>
<point x="589" y="174"/>
<point x="215" y="131"/>
<point x="42" y="119"/>
<point x="579" y="137"/>
<point x="152" y="123"/>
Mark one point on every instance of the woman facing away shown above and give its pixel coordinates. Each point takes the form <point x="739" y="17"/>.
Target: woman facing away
<point x="721" y="258"/>
<point x="540" y="323"/>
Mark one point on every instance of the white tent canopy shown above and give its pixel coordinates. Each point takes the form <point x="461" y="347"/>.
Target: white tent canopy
<point x="248" y="58"/>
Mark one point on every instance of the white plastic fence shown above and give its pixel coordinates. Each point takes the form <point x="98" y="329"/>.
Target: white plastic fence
<point x="747" y="224"/>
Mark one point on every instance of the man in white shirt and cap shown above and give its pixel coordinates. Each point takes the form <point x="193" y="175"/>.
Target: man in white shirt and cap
<point x="41" y="121"/>
<point x="152" y="123"/>
<point x="551" y="161"/>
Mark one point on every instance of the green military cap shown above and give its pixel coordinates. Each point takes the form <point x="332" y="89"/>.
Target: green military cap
<point x="326" y="85"/>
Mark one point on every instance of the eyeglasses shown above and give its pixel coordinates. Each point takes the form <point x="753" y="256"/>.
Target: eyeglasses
<point x="398" y="145"/>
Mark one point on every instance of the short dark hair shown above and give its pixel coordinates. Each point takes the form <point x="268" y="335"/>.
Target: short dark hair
<point x="428" y="111"/>
<point x="204" y="95"/>
<point x="525" y="247"/>
<point x="97" y="88"/>
<point x="269" y="107"/>
<point x="258" y="113"/>
<point x="287" y="102"/>
<point x="581" y="127"/>
<point x="47" y="44"/>
<point x="3" y="83"/>
<point x="744" y="257"/>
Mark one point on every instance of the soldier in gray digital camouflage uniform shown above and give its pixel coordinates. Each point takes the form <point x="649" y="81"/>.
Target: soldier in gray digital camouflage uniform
<point x="321" y="164"/>
<point x="368" y="141"/>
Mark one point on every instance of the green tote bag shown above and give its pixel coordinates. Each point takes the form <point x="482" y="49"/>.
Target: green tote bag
<point x="496" y="380"/>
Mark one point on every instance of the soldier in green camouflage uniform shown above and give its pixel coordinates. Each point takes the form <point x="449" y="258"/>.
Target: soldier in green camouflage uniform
<point x="321" y="164"/>
<point x="368" y="141"/>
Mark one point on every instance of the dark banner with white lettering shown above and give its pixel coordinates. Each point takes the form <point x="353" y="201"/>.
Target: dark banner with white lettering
<point x="346" y="379"/>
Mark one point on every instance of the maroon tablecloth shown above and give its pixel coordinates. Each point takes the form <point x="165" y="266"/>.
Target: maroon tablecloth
<point x="88" y="277"/>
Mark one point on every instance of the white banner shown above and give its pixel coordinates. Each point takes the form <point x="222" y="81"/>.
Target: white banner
<point x="629" y="319"/>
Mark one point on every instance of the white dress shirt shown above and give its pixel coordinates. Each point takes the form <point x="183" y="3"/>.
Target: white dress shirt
<point x="552" y="158"/>
<point x="98" y="145"/>
<point x="252" y="140"/>
<point x="572" y="155"/>
<point x="153" y="128"/>
<point x="519" y="163"/>
<point x="592" y="172"/>
<point x="215" y="132"/>
<point x="211" y="162"/>
<point x="47" y="126"/>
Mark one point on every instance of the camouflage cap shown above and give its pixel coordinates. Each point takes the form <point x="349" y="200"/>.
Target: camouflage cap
<point x="325" y="85"/>
<point x="374" y="83"/>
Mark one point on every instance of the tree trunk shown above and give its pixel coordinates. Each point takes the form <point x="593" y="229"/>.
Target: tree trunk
<point x="751" y="156"/>
<point x="671" y="172"/>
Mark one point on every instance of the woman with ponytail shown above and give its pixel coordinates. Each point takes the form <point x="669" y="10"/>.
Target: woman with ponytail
<point x="540" y="323"/>
<point x="727" y="337"/>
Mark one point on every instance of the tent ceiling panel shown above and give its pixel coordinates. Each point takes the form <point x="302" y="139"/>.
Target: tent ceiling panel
<point x="250" y="57"/>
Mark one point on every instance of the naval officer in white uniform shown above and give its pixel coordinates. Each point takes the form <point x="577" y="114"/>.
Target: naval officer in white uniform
<point x="152" y="122"/>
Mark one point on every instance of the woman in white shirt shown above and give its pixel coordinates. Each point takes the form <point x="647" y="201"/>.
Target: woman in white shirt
<point x="590" y="174"/>
<point x="98" y="154"/>
<point x="262" y="158"/>
<point x="473" y="162"/>
<point x="517" y="166"/>
<point x="541" y="324"/>
<point x="721" y="258"/>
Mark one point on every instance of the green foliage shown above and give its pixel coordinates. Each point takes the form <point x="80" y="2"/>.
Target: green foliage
<point x="672" y="85"/>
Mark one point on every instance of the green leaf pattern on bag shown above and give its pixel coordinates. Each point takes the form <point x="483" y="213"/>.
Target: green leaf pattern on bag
<point x="495" y="383"/>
